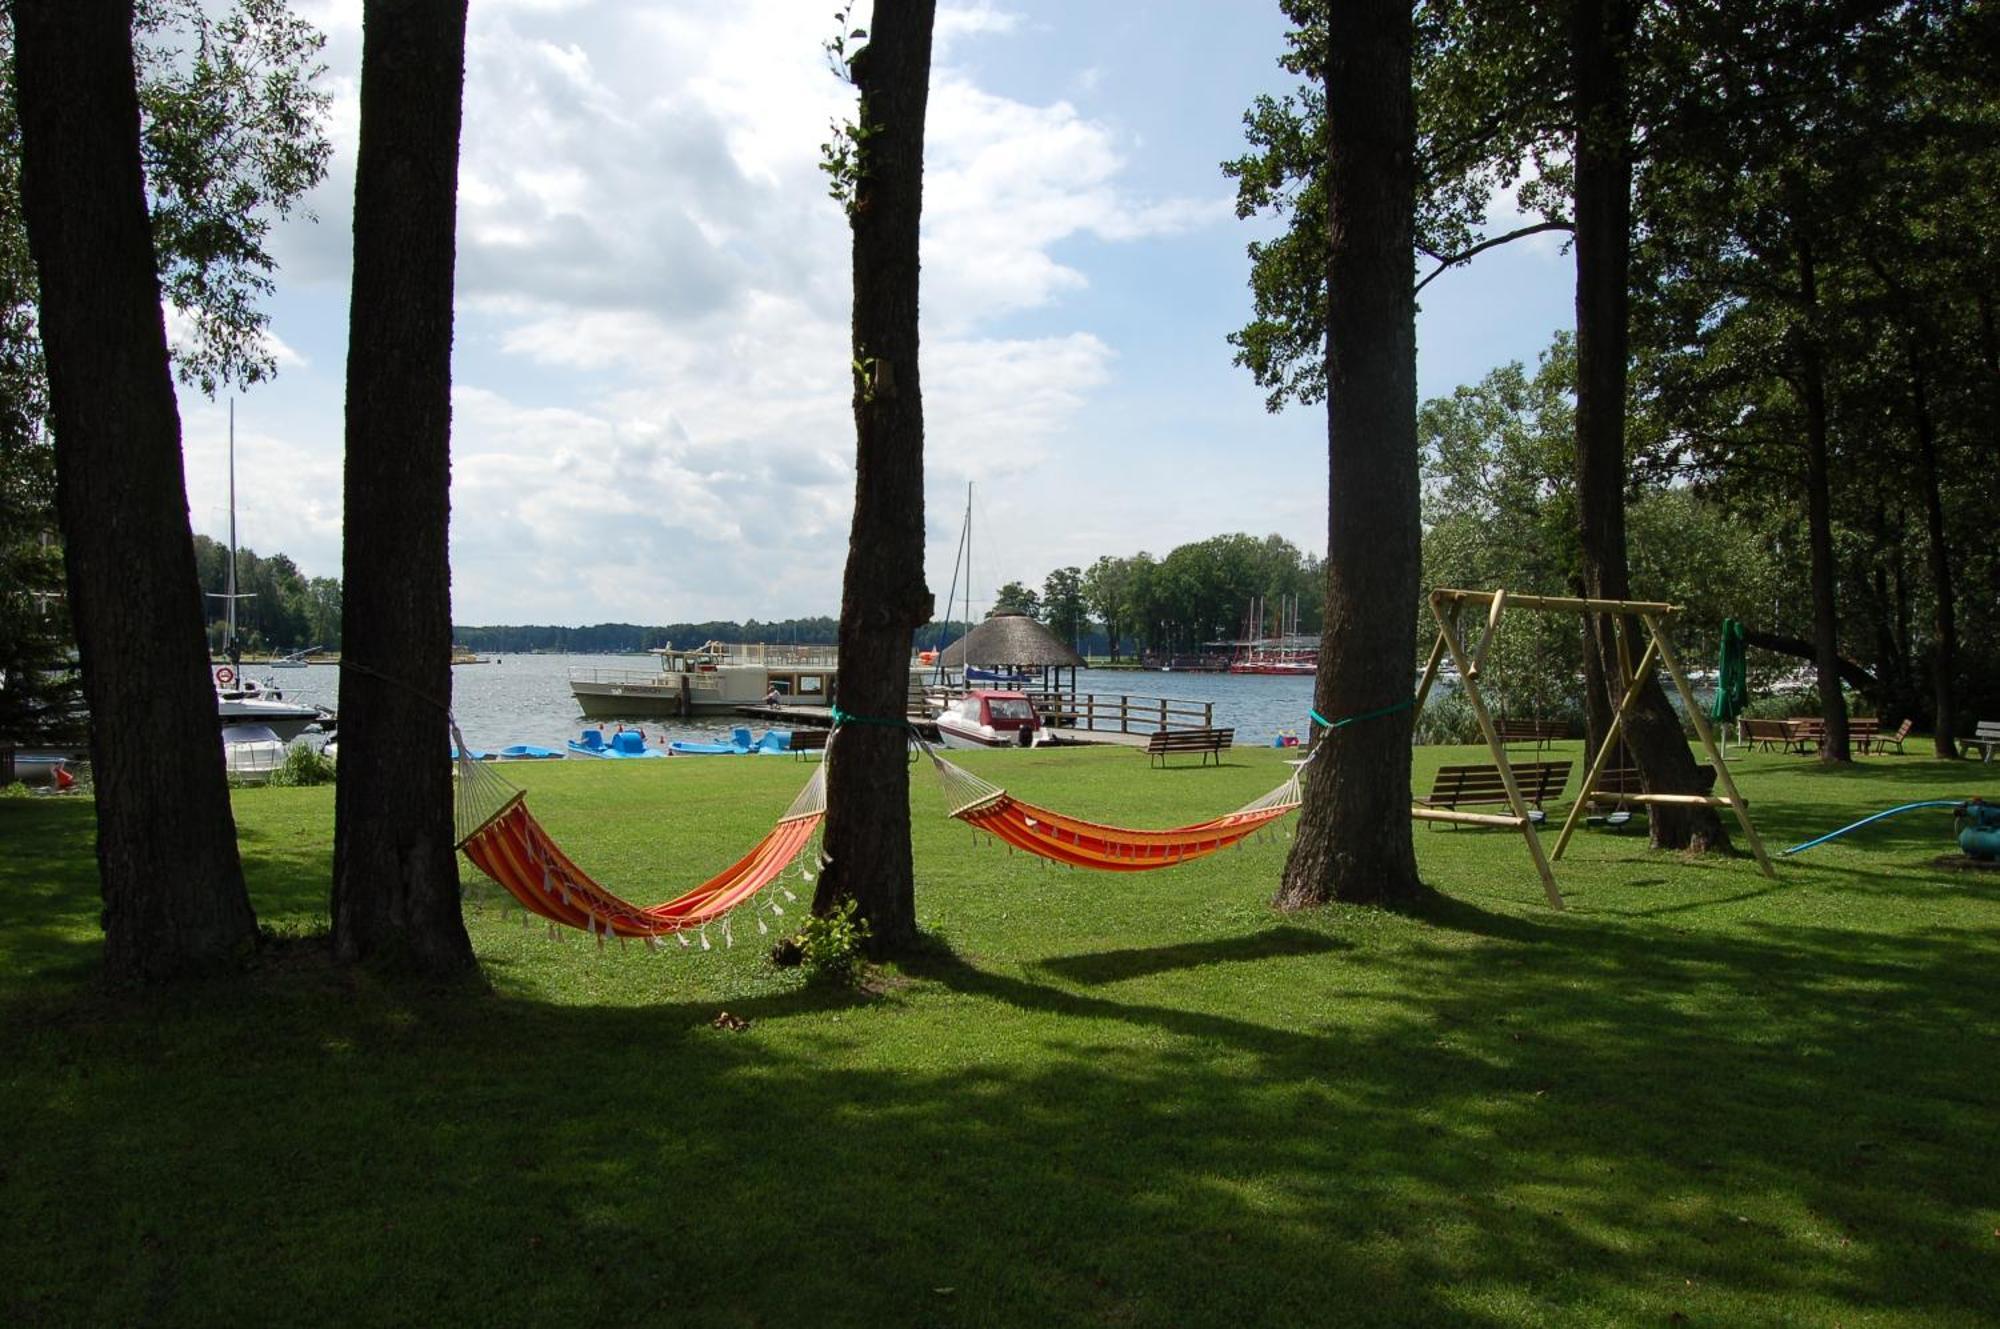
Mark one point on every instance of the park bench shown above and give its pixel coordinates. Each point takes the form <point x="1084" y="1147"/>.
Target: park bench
<point x="1861" y="731"/>
<point x="806" y="741"/>
<point x="1470" y="786"/>
<point x="1539" y="732"/>
<point x="1879" y="742"/>
<point x="1986" y="737"/>
<point x="1207" y="742"/>
<point x="1764" y="733"/>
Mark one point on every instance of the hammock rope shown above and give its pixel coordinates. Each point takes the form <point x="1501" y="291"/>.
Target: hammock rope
<point x="1059" y="838"/>
<point x="503" y="840"/>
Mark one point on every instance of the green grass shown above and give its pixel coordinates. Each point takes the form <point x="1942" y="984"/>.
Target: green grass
<point x="1697" y="1096"/>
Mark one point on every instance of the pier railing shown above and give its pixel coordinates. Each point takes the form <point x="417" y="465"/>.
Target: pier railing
<point x="1121" y="713"/>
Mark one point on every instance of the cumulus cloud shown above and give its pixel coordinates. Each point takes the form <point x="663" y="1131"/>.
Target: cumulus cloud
<point x="652" y="413"/>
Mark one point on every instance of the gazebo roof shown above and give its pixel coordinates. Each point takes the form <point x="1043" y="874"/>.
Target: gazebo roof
<point x="1010" y="639"/>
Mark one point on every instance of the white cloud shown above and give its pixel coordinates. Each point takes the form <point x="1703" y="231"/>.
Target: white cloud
<point x="652" y="413"/>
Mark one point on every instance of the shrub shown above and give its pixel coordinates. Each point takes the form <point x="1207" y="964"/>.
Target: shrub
<point x="304" y="765"/>
<point x="831" y="946"/>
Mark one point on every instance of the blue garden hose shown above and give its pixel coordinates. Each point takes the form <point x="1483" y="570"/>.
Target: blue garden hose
<point x="1907" y="807"/>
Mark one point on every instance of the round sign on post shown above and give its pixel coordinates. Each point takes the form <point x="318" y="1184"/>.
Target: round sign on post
<point x="225" y="675"/>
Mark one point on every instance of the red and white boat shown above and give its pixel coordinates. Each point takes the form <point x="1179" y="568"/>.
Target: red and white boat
<point x="986" y="718"/>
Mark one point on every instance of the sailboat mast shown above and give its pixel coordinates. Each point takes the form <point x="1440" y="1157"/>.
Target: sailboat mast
<point x="234" y="651"/>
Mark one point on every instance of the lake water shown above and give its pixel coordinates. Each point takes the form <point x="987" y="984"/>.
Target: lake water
<point x="526" y="698"/>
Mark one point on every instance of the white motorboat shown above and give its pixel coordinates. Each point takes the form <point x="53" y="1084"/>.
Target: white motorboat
<point x="985" y="718"/>
<point x="251" y="753"/>
<point x="245" y="701"/>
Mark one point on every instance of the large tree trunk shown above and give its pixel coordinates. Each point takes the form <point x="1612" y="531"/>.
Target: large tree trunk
<point x="174" y="900"/>
<point x="1600" y="42"/>
<point x="1353" y="842"/>
<point x="395" y="868"/>
<point x="883" y="597"/>
<point x="1944" y="621"/>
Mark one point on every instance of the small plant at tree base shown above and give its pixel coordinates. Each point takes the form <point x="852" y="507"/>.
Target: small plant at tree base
<point x="303" y="766"/>
<point x="831" y="946"/>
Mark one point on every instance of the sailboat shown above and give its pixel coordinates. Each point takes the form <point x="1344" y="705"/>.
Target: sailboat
<point x="241" y="701"/>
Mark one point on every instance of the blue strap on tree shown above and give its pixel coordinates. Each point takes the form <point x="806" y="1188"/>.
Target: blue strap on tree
<point x="1375" y="714"/>
<point x="841" y="717"/>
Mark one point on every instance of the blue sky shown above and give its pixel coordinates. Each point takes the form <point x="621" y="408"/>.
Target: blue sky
<point x="650" y="385"/>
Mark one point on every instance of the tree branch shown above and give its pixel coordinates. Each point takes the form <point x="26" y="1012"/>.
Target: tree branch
<point x="1491" y="243"/>
<point x="1850" y="672"/>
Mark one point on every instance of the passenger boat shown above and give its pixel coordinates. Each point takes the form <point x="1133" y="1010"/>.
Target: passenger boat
<point x="987" y="718"/>
<point x="716" y="678"/>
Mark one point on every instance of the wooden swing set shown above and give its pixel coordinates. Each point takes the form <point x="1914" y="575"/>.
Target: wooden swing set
<point x="1447" y="607"/>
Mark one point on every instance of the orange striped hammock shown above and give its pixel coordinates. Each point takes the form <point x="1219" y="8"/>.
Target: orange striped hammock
<point x="504" y="841"/>
<point x="1087" y="844"/>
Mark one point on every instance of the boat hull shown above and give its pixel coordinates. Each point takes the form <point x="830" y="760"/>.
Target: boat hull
<point x="959" y="735"/>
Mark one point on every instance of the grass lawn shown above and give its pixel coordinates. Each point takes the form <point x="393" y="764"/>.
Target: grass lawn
<point x="1696" y="1097"/>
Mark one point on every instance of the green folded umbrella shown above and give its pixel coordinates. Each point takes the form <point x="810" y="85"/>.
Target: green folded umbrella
<point x="1732" y="687"/>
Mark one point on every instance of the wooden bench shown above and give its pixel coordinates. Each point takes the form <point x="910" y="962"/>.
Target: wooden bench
<point x="1207" y="742"/>
<point x="1472" y="786"/>
<point x="1764" y="733"/>
<point x="806" y="741"/>
<point x="1879" y="742"/>
<point x="1539" y="732"/>
<point x="1985" y="736"/>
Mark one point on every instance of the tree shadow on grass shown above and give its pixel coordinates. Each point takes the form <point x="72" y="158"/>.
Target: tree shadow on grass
<point x="1139" y="962"/>
<point x="1459" y="1115"/>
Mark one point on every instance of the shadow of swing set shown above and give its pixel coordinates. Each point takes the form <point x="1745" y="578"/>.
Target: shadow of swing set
<point x="504" y="840"/>
<point x="1631" y="620"/>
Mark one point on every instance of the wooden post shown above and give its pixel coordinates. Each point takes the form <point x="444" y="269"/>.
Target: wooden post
<point x="1424" y="684"/>
<point x="1701" y="728"/>
<point x="1577" y="812"/>
<point x="1514" y="798"/>
<point x="1493" y="612"/>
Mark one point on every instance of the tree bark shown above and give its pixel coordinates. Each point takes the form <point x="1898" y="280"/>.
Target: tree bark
<point x="1353" y="842"/>
<point x="174" y="900"/>
<point x="395" y="873"/>
<point x="1944" y="620"/>
<point x="883" y="596"/>
<point x="1601" y="37"/>
<point x="1822" y="576"/>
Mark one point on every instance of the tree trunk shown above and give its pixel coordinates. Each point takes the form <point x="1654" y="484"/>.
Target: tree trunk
<point x="1833" y="747"/>
<point x="1944" y="621"/>
<point x="1353" y="842"/>
<point x="395" y="867"/>
<point x="1600" y="38"/>
<point x="174" y="900"/>
<point x="883" y="596"/>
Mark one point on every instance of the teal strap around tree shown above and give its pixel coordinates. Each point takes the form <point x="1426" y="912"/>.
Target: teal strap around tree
<point x="841" y="717"/>
<point x="1375" y="714"/>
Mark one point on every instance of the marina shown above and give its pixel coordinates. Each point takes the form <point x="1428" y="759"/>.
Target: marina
<point x="529" y="702"/>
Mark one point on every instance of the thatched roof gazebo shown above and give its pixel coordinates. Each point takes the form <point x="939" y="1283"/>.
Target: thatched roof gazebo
<point x="1011" y="642"/>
